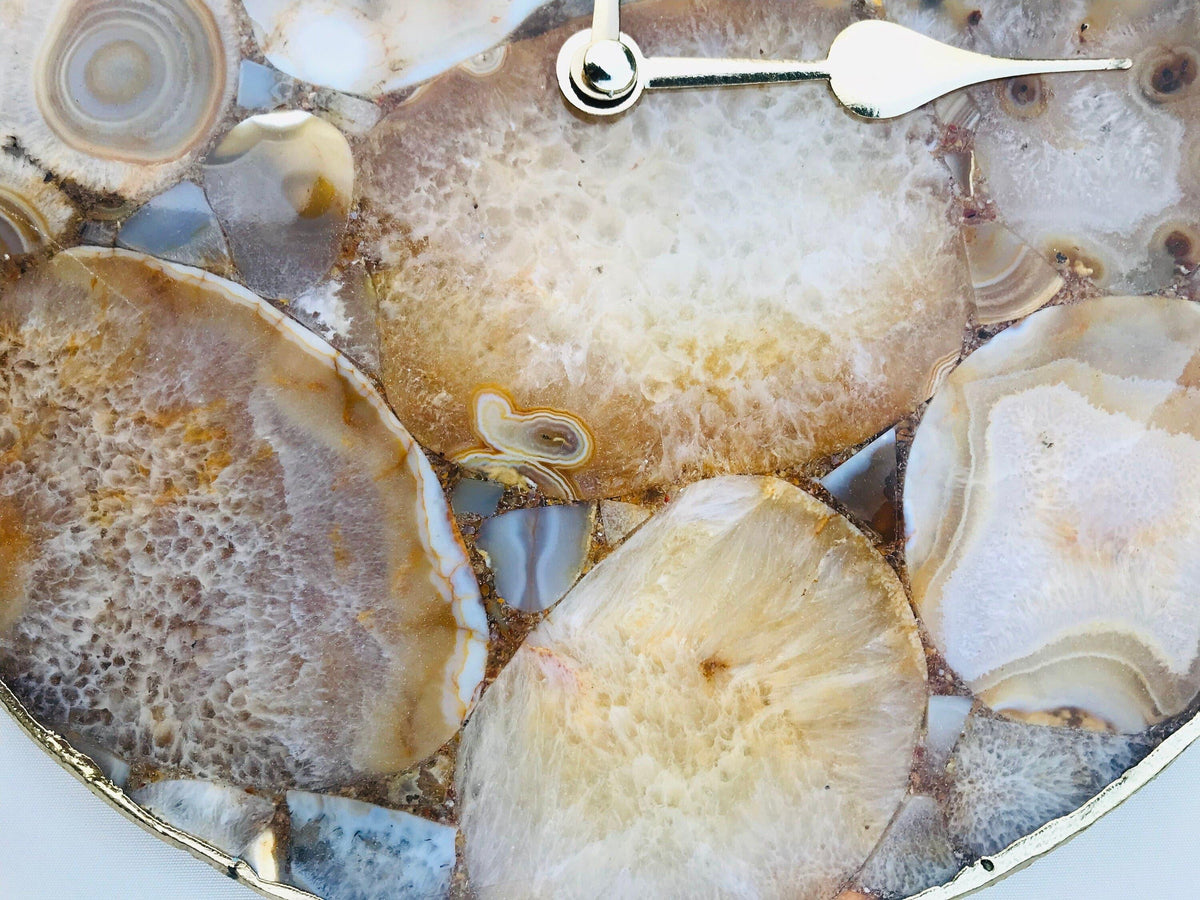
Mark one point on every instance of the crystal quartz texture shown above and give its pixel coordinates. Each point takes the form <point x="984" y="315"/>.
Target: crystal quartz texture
<point x="727" y="704"/>
<point x="342" y="309"/>
<point x="281" y="184"/>
<point x="1049" y="506"/>
<point x="1009" y="778"/>
<point x="344" y="849"/>
<point x="1099" y="172"/>
<point x="376" y="46"/>
<point x="619" y="519"/>
<point x="916" y="852"/>
<point x="119" y="95"/>
<point x="34" y="215"/>
<point x="726" y="281"/>
<point x="537" y="554"/>
<point x="229" y="818"/>
<point x="178" y="225"/>
<point x="222" y="555"/>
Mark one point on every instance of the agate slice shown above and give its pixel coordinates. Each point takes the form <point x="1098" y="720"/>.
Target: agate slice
<point x="280" y="183"/>
<point x="727" y="704"/>
<point x="537" y="554"/>
<point x="119" y="95"/>
<point x="1099" y="173"/>
<point x="178" y="225"/>
<point x="343" y="849"/>
<point x="33" y="213"/>
<point x="229" y="818"/>
<point x="727" y="281"/>
<point x="222" y="556"/>
<point x="1050" y="506"/>
<point x="376" y="46"/>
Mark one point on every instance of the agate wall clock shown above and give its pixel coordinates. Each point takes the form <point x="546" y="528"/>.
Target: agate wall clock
<point x="504" y="449"/>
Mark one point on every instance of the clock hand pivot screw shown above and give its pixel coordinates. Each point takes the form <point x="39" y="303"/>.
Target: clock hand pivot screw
<point x="607" y="70"/>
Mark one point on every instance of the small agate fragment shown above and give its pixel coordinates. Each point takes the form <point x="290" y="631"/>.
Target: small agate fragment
<point x="537" y="554"/>
<point x="179" y="226"/>
<point x="229" y="818"/>
<point x="281" y="184"/>
<point x="344" y="849"/>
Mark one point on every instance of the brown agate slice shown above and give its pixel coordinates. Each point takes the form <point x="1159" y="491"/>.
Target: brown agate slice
<point x="221" y="554"/>
<point x="720" y="281"/>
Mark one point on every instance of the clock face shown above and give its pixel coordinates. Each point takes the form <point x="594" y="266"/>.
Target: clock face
<point x="410" y="484"/>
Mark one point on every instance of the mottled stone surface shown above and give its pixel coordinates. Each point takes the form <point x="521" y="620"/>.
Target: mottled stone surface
<point x="221" y="554"/>
<point x="742" y="671"/>
<point x="1050" y="506"/>
<point x="721" y="281"/>
<point x="1009" y="778"/>
<point x="346" y="850"/>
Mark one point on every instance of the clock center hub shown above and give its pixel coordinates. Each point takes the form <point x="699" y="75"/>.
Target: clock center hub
<point x="608" y="70"/>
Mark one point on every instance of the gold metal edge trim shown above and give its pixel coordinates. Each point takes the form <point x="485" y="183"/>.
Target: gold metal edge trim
<point x="970" y="880"/>
<point x="89" y="773"/>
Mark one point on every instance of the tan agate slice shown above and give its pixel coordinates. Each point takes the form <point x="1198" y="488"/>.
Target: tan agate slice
<point x="721" y="281"/>
<point x="222" y="555"/>
<point x="726" y="705"/>
<point x="1050" y="506"/>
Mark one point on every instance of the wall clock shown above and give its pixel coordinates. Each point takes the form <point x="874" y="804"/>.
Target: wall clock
<point x="509" y="449"/>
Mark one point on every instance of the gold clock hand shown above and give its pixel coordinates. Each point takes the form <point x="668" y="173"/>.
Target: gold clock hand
<point x="876" y="69"/>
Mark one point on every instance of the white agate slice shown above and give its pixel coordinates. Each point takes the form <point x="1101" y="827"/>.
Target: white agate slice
<point x="1100" y="173"/>
<point x="375" y="46"/>
<point x="728" y="704"/>
<point x="1049" y="504"/>
<point x="118" y="96"/>
<point x="220" y="553"/>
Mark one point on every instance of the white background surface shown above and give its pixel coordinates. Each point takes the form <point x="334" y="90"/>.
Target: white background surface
<point x="1147" y="848"/>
